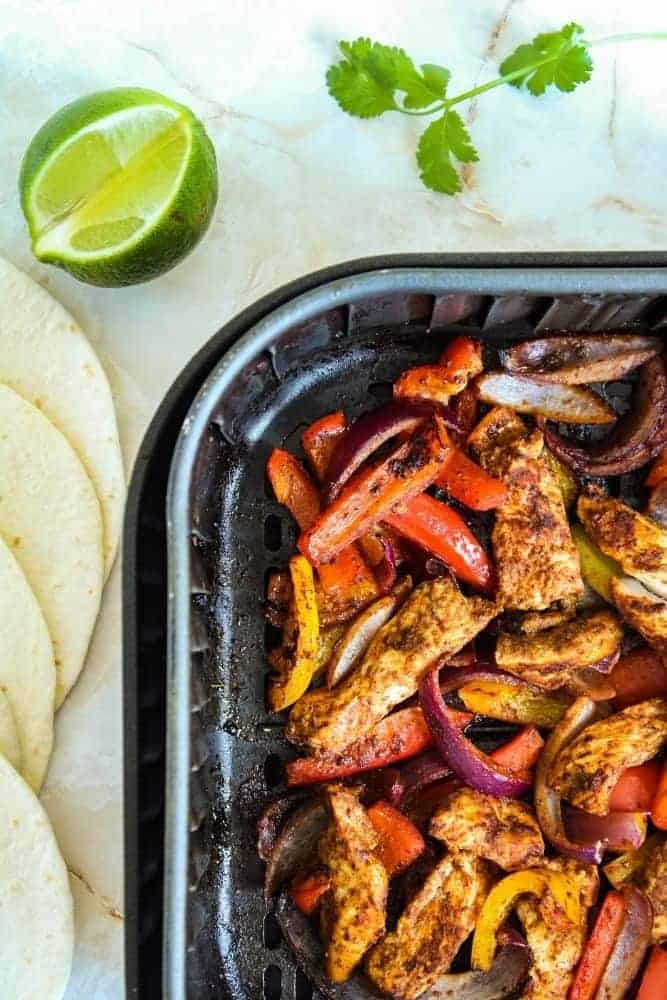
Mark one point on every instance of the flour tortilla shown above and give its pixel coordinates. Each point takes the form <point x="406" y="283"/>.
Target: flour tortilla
<point x="9" y="737"/>
<point x="36" y="910"/>
<point x="46" y="358"/>
<point x="27" y="669"/>
<point x="50" y="519"/>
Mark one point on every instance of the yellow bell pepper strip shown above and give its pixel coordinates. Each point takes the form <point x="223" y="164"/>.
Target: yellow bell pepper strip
<point x="298" y="673"/>
<point x="502" y="898"/>
<point x="567" y="484"/>
<point x="597" y="569"/>
<point x="513" y="703"/>
<point x="627" y="867"/>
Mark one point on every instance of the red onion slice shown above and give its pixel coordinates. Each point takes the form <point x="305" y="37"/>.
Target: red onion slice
<point x="370" y="431"/>
<point x="295" y="845"/>
<point x="628" y="952"/>
<point x="271" y="820"/>
<point x="619" y="831"/>
<point x="636" y="439"/>
<point x="509" y="970"/>
<point x="547" y="802"/>
<point x="657" y="504"/>
<point x="424" y="770"/>
<point x="469" y="763"/>
<point x="357" y="638"/>
<point x="579" y="360"/>
<point x="386" y="570"/>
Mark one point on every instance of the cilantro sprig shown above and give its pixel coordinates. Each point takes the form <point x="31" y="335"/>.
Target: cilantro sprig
<point x="372" y="79"/>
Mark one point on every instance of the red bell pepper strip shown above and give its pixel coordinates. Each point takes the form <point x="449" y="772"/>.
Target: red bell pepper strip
<point x="470" y="484"/>
<point x="636" y="788"/>
<point x="347" y="580"/>
<point x="442" y="532"/>
<point x="459" y="362"/>
<point x="422" y="805"/>
<point x="522" y="751"/>
<point x="466" y="409"/>
<point x="659" y="807"/>
<point x="319" y="440"/>
<point x="401" y="735"/>
<point x="598" y="948"/>
<point x="373" y="491"/>
<point x="426" y="382"/>
<point x="462" y="360"/>
<point x="293" y="487"/>
<point x="654" y="981"/>
<point x="306" y="890"/>
<point x="658" y="472"/>
<point x="519" y="754"/>
<point x="400" y="842"/>
<point x="637" y="676"/>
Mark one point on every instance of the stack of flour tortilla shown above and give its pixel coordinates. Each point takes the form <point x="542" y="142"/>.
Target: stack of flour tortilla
<point x="61" y="504"/>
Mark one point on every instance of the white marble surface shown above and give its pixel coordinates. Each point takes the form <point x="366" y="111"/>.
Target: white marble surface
<point x="302" y="186"/>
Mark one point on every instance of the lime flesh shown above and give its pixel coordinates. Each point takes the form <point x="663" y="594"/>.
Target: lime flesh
<point x="119" y="186"/>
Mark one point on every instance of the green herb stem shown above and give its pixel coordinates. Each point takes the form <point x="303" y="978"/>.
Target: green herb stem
<point x="499" y="81"/>
<point x="632" y="36"/>
<point x="482" y="89"/>
<point x="426" y="111"/>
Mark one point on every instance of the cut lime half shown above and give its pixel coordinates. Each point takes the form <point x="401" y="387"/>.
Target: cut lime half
<point x="118" y="186"/>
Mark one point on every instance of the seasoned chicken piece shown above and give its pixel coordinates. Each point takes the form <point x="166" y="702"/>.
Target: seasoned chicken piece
<point x="432" y="928"/>
<point x="531" y="622"/>
<point x="642" y="610"/>
<point x="635" y="541"/>
<point x="587" y="769"/>
<point x="353" y="911"/>
<point x="536" y="558"/>
<point x="500" y="830"/>
<point x="653" y="881"/>
<point x="435" y="622"/>
<point x="494" y="435"/>
<point x="555" y="942"/>
<point x="551" y="657"/>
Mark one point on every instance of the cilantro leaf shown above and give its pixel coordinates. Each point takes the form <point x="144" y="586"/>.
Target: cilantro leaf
<point x="565" y="61"/>
<point x="444" y="138"/>
<point x="358" y="84"/>
<point x="436" y="78"/>
<point x="365" y="82"/>
<point x="422" y="89"/>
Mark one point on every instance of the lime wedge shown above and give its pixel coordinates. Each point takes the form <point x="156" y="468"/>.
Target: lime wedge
<point x="118" y="186"/>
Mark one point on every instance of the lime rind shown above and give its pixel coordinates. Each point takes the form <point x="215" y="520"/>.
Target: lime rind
<point x="142" y="250"/>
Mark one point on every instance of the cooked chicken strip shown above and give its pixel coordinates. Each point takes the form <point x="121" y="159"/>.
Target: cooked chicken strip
<point x="432" y="928"/>
<point x="353" y="911"/>
<point x="642" y="610"/>
<point x="500" y="830"/>
<point x="653" y="881"/>
<point x="556" y="943"/>
<point x="531" y="622"/>
<point x="635" y="541"/>
<point x="435" y="622"/>
<point x="536" y="558"/>
<point x="587" y="769"/>
<point x="495" y="435"/>
<point x="549" y="658"/>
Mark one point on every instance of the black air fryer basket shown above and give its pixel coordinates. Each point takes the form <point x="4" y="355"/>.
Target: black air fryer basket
<point x="195" y="578"/>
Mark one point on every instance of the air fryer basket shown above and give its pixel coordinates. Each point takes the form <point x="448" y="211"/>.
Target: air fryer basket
<point x="338" y="345"/>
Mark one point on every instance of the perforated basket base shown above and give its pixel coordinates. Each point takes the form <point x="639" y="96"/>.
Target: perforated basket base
<point x="226" y="534"/>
